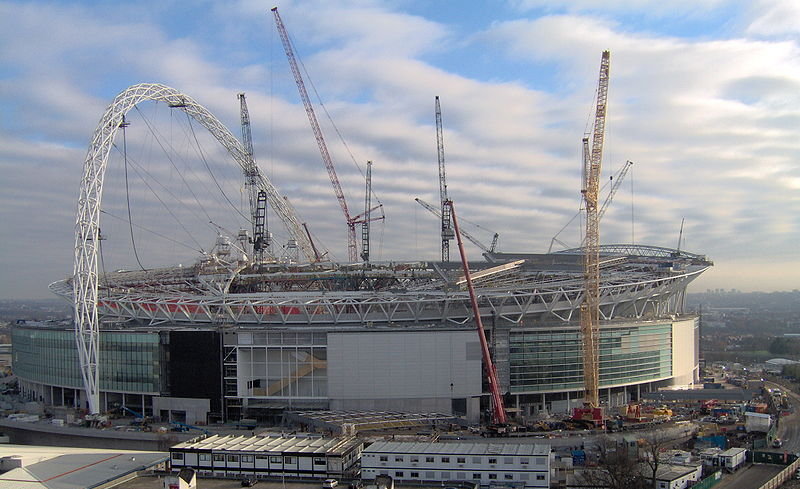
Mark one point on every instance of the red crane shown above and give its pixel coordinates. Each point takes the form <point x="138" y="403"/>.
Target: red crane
<point x="352" y="249"/>
<point x="498" y="409"/>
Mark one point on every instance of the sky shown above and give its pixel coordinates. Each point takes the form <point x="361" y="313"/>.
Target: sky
<point x="704" y="99"/>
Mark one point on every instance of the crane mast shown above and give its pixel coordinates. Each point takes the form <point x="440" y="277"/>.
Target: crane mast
<point x="447" y="230"/>
<point x="498" y="409"/>
<point x="365" y="222"/>
<point x="258" y="198"/>
<point x="323" y="147"/>
<point x="590" y="307"/>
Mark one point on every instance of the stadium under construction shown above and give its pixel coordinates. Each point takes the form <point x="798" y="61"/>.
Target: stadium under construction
<point x="247" y="335"/>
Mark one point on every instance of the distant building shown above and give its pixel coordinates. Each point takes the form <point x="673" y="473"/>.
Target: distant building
<point x="503" y="464"/>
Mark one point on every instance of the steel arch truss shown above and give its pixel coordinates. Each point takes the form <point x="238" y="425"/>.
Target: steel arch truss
<point x="87" y="224"/>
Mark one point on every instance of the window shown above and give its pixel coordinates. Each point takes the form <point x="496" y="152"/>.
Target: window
<point x="398" y="458"/>
<point x="508" y="460"/>
<point x="461" y="460"/>
<point x="384" y="458"/>
<point x="492" y="461"/>
<point x="414" y="459"/>
<point x="429" y="459"/>
<point x="523" y="461"/>
<point x="218" y="457"/>
<point x="319" y="461"/>
<point x="205" y="457"/>
<point x="492" y="476"/>
<point x="445" y="460"/>
<point x="476" y="460"/>
<point x="461" y="475"/>
<point x="233" y="458"/>
<point x="415" y="475"/>
<point x="288" y="460"/>
<point x="177" y="456"/>
<point x="539" y="477"/>
<point x="399" y="473"/>
<point x="476" y="476"/>
<point x="445" y="475"/>
<point x="508" y="477"/>
<point x="430" y="475"/>
<point x="540" y="461"/>
<point x="275" y="460"/>
<point x="263" y="457"/>
<point x="523" y="476"/>
<point x="247" y="459"/>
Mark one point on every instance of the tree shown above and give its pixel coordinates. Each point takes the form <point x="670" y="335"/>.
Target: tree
<point x="617" y="468"/>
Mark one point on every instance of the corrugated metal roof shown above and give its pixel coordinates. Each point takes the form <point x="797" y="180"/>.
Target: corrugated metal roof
<point x="269" y="444"/>
<point x="465" y="448"/>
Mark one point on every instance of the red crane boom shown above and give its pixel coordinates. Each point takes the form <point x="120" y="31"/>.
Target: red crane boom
<point x="498" y="409"/>
<point x="352" y="249"/>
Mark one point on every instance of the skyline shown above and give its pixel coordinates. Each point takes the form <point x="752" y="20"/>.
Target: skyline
<point x="703" y="99"/>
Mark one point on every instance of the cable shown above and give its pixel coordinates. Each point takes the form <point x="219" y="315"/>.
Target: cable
<point x="124" y="124"/>
<point x="137" y="168"/>
<point x="172" y="162"/>
<point x="156" y="233"/>
<point x="211" y="174"/>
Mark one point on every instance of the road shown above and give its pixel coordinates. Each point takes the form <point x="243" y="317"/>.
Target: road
<point x="750" y="477"/>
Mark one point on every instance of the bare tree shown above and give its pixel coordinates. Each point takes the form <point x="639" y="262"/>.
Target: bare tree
<point x="617" y="468"/>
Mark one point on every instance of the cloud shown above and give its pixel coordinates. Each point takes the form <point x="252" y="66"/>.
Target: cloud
<point x="709" y="122"/>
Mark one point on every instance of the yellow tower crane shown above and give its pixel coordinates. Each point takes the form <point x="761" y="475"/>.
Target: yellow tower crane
<point x="590" y="307"/>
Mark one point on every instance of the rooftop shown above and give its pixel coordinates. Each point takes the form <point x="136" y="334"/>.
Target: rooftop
<point x="72" y="468"/>
<point x="279" y="444"/>
<point x="477" y="448"/>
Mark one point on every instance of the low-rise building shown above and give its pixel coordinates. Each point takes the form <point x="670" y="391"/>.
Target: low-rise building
<point x="269" y="455"/>
<point x="732" y="458"/>
<point x="671" y="476"/>
<point x="486" y="464"/>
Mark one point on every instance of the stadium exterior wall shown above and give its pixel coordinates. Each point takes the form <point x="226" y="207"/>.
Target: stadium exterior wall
<point x="422" y="368"/>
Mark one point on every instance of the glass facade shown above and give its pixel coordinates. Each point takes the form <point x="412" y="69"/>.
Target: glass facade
<point x="550" y="360"/>
<point x="130" y="361"/>
<point x="282" y="365"/>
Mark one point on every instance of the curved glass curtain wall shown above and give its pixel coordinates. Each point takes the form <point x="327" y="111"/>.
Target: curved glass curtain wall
<point x="130" y="362"/>
<point x="550" y="360"/>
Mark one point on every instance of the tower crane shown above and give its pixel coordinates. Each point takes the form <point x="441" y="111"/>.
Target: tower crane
<point x="323" y="147"/>
<point x="590" y="307"/>
<point x="447" y="230"/>
<point x="436" y="212"/>
<point x="258" y="197"/>
<point x="367" y="210"/>
<point x="616" y="182"/>
<point x="614" y="187"/>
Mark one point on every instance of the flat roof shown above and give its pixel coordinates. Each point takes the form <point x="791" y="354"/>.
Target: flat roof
<point x="277" y="444"/>
<point x="461" y="448"/>
<point x="732" y="452"/>
<point x="73" y="468"/>
<point x="669" y="472"/>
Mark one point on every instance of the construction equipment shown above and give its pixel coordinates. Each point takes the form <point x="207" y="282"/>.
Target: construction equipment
<point x="590" y="307"/>
<point x="366" y="220"/>
<point x="447" y="230"/>
<point x="616" y="182"/>
<point x="436" y="212"/>
<point x="499" y="421"/>
<point x="178" y="426"/>
<point x="323" y="147"/>
<point x="258" y="197"/>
